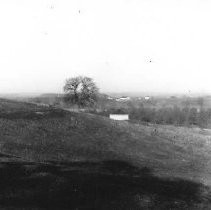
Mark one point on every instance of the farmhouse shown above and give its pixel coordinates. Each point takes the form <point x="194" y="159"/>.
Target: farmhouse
<point x="119" y="116"/>
<point x="147" y="98"/>
<point x="123" y="98"/>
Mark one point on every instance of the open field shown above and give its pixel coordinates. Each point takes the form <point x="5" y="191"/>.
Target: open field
<point x="51" y="158"/>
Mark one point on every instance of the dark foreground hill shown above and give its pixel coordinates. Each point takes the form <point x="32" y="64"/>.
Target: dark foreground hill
<point x="54" y="159"/>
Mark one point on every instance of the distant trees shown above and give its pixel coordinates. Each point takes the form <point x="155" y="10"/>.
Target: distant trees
<point x="185" y="111"/>
<point x="81" y="91"/>
<point x="200" y="102"/>
<point x="193" y="116"/>
<point x="186" y="116"/>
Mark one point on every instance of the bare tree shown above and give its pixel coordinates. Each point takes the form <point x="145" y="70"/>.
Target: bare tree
<point x="72" y="89"/>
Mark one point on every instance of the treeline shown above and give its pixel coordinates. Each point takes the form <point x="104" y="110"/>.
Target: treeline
<point x="167" y="115"/>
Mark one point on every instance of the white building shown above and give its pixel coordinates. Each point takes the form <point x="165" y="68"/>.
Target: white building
<point x="119" y="116"/>
<point x="123" y="99"/>
<point x="146" y="98"/>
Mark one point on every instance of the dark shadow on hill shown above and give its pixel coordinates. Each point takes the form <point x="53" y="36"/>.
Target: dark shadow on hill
<point x="33" y="114"/>
<point x="88" y="185"/>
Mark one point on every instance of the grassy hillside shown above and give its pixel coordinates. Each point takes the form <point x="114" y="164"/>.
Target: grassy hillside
<point x="147" y="166"/>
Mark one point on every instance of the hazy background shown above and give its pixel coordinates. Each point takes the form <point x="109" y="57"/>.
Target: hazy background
<point x="125" y="45"/>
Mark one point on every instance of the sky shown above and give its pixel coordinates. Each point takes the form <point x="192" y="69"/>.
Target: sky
<point x="124" y="45"/>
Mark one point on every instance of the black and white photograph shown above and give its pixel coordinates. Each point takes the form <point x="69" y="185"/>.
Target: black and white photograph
<point x="105" y="104"/>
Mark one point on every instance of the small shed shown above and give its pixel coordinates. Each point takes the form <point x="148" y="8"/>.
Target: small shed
<point x="119" y="116"/>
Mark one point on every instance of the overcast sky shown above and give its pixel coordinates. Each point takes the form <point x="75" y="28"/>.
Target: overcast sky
<point x="125" y="45"/>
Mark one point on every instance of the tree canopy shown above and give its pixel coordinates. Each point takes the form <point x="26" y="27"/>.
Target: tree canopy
<point x="81" y="91"/>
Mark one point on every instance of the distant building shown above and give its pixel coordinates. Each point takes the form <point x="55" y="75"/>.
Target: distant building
<point x="123" y="98"/>
<point x="147" y="98"/>
<point x="119" y="116"/>
<point x="42" y="104"/>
